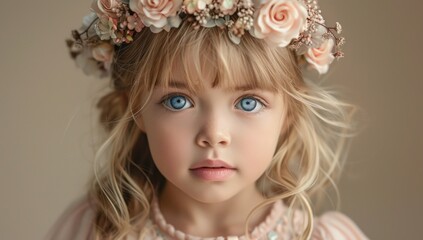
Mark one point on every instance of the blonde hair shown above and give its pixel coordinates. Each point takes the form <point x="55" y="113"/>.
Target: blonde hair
<point x="307" y="158"/>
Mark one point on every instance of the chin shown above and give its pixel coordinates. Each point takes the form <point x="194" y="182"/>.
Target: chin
<point x="210" y="195"/>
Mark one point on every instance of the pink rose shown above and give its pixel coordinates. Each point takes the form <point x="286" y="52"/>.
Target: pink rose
<point x="104" y="7"/>
<point x="103" y="53"/>
<point x="155" y="12"/>
<point x="280" y="21"/>
<point x="320" y="58"/>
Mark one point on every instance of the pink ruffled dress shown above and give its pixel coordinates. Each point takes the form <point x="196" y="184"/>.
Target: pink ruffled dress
<point x="77" y="224"/>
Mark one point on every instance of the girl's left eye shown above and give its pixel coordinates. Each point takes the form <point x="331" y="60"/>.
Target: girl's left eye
<point x="177" y="103"/>
<point x="250" y="104"/>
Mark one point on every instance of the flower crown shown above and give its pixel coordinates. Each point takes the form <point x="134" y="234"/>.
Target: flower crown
<point x="297" y="24"/>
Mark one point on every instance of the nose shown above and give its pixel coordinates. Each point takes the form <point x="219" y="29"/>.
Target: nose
<point x="213" y="131"/>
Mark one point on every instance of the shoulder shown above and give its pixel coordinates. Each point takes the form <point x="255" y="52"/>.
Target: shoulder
<point x="75" y="223"/>
<point x="336" y="226"/>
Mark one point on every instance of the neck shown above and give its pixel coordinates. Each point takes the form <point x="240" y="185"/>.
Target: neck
<point x="208" y="219"/>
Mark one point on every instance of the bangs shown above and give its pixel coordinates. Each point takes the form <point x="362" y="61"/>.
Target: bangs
<point x="209" y="53"/>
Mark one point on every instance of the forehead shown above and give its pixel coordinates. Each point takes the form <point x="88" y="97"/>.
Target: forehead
<point x="230" y="72"/>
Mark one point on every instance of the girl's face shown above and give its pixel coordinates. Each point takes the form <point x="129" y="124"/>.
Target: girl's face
<point x="213" y="144"/>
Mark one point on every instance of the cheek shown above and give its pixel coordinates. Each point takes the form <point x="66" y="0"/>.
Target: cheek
<point x="258" y="146"/>
<point x="169" y="145"/>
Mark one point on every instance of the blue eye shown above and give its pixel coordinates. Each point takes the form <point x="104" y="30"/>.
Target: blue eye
<point x="177" y="103"/>
<point x="249" y="104"/>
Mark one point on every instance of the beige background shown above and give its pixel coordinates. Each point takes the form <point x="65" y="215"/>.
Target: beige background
<point x="48" y="119"/>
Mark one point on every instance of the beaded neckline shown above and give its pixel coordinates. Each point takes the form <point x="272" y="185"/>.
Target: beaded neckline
<point x="264" y="230"/>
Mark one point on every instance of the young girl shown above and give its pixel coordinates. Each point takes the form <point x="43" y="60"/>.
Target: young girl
<point x="214" y="131"/>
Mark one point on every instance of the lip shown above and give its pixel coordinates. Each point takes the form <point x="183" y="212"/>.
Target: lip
<point x="212" y="170"/>
<point x="209" y="163"/>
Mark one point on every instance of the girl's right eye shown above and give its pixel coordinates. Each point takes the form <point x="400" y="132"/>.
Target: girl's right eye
<point x="177" y="103"/>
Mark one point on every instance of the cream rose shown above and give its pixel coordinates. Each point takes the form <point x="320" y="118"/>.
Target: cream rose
<point x="103" y="53"/>
<point x="280" y="21"/>
<point x="320" y="58"/>
<point x="104" y="7"/>
<point x="155" y="12"/>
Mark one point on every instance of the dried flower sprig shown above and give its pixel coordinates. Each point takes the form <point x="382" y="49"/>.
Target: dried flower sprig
<point x="316" y="31"/>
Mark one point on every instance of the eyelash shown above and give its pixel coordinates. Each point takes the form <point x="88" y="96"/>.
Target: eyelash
<point x="169" y="96"/>
<point x="257" y="98"/>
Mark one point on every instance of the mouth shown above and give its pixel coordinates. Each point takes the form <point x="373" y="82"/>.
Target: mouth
<point x="213" y="170"/>
<point x="208" y="163"/>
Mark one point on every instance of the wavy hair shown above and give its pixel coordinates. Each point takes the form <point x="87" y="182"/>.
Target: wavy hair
<point x="309" y="154"/>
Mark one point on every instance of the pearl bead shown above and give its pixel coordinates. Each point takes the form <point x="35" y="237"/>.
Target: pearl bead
<point x="272" y="235"/>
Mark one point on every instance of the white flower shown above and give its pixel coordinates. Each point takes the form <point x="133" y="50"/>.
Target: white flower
<point x="228" y="7"/>
<point x="195" y="5"/>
